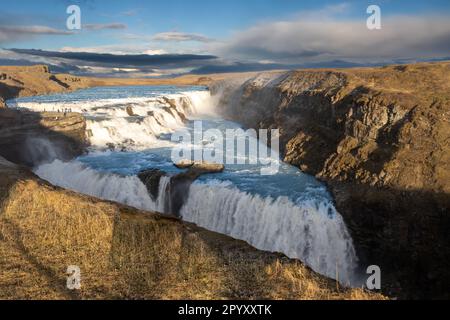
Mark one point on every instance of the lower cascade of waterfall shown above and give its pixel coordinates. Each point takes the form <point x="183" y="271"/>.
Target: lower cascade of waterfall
<point x="129" y="131"/>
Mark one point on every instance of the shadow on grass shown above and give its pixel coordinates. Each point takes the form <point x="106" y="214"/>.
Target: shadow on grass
<point x="56" y="281"/>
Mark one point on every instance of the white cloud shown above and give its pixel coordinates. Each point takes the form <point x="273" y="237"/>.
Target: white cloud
<point x="129" y="13"/>
<point x="154" y="52"/>
<point x="323" y="35"/>
<point x="99" y="26"/>
<point x="180" y="36"/>
<point x="120" y="49"/>
<point x="13" y="33"/>
<point x="10" y="34"/>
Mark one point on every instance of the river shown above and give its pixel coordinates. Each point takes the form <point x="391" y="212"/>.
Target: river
<point x="132" y="128"/>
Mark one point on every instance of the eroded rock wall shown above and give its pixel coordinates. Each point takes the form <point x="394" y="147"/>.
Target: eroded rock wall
<point x="380" y="139"/>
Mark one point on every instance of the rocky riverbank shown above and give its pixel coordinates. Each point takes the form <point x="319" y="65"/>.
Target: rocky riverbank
<point x="380" y="139"/>
<point x="29" y="138"/>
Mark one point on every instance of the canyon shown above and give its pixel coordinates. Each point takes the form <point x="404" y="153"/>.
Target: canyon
<point x="123" y="252"/>
<point x="378" y="137"/>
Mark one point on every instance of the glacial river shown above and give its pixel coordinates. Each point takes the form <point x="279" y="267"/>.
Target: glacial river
<point x="131" y="129"/>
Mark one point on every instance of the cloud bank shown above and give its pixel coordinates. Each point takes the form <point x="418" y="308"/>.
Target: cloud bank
<point x="14" y="33"/>
<point x="315" y="38"/>
<point x="99" y="26"/>
<point x="180" y="36"/>
<point x="122" y="61"/>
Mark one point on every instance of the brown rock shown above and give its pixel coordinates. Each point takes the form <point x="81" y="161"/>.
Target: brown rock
<point x="206" y="167"/>
<point x="380" y="139"/>
<point x="130" y="111"/>
<point x="29" y="137"/>
<point x="177" y="191"/>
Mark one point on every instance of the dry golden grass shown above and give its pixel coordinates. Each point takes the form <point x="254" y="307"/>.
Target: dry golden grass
<point x="127" y="254"/>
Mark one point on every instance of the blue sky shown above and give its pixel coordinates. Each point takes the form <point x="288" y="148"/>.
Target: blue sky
<point x="216" y="19"/>
<point x="245" y="31"/>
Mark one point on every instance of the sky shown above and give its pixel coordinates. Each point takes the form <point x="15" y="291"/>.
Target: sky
<point x="162" y="38"/>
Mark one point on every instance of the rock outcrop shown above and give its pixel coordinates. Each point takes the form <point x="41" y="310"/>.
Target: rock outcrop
<point x="198" y="167"/>
<point x="151" y="179"/>
<point x="29" y="138"/>
<point x="380" y="139"/>
<point x="34" y="80"/>
<point x="177" y="189"/>
<point x="124" y="253"/>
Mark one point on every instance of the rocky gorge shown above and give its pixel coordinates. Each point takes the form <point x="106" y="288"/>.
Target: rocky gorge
<point x="124" y="253"/>
<point x="380" y="139"/>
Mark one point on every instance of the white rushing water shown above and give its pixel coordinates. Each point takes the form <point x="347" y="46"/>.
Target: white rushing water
<point x="278" y="214"/>
<point x="303" y="230"/>
<point x="311" y="231"/>
<point x="130" y="123"/>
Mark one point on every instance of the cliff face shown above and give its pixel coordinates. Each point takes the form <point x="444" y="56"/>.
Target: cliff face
<point x="29" y="137"/>
<point x="124" y="253"/>
<point x="380" y="139"/>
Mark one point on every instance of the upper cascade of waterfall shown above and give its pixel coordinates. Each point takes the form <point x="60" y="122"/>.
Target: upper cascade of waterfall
<point x="128" y="123"/>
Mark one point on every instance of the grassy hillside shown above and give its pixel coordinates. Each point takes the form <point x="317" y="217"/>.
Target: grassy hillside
<point x="127" y="254"/>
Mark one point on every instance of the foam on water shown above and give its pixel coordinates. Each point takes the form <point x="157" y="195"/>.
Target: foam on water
<point x="75" y="176"/>
<point x="133" y="123"/>
<point x="311" y="230"/>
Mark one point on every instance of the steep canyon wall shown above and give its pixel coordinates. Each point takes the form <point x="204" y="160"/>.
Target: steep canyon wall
<point x="380" y="138"/>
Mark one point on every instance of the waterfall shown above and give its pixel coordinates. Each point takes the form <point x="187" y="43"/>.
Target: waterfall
<point x="75" y="176"/>
<point x="132" y="123"/>
<point x="311" y="231"/>
<point x="308" y="229"/>
<point x="163" y="196"/>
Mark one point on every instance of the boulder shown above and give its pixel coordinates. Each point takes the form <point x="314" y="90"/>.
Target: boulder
<point x="206" y="167"/>
<point x="151" y="178"/>
<point x="177" y="191"/>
